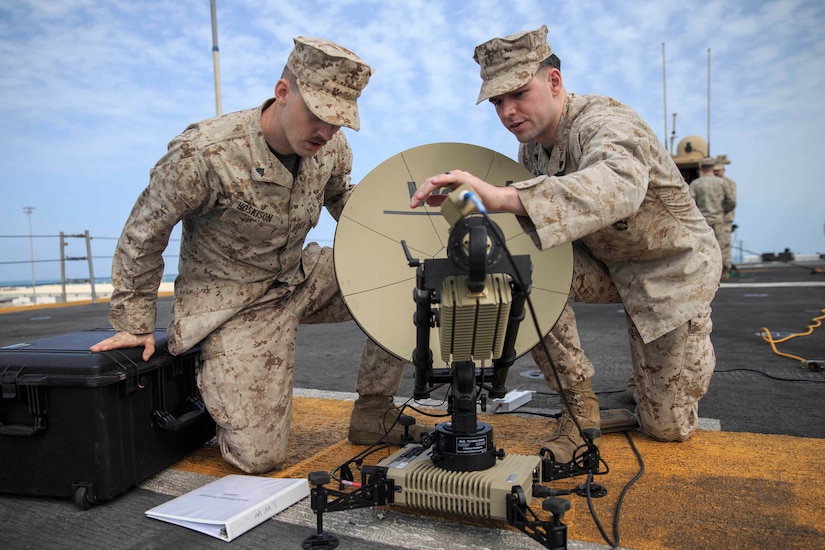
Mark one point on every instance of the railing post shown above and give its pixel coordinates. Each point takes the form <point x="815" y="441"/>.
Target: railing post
<point x="91" y="265"/>
<point x="63" y="267"/>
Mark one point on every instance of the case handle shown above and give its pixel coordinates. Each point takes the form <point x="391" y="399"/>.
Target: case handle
<point x="37" y="410"/>
<point x="167" y="421"/>
<point x="22" y="429"/>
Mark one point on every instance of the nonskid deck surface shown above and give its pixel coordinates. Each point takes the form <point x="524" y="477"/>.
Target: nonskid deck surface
<point x="754" y="477"/>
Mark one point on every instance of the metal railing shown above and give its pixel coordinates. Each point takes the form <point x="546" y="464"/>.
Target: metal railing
<point x="64" y="260"/>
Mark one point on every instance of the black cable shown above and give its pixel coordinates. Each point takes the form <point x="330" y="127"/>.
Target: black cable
<point x="359" y="458"/>
<point x="374" y="448"/>
<point x="378" y="446"/>
<point x="553" y="394"/>
<point x="581" y="456"/>
<point x="780" y="379"/>
<point x="425" y="413"/>
<point x="502" y="241"/>
<point x="605" y="536"/>
<point x="533" y="413"/>
<point x="567" y="403"/>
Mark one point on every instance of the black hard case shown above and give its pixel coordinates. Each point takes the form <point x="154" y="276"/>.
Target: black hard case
<point x="91" y="425"/>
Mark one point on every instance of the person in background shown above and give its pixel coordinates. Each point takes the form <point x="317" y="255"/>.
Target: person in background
<point x="714" y="199"/>
<point x="604" y="182"/>
<point x="726" y="244"/>
<point x="248" y="186"/>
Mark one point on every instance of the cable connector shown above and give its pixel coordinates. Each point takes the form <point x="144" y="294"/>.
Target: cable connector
<point x="468" y="195"/>
<point x="460" y="203"/>
<point x="814" y="364"/>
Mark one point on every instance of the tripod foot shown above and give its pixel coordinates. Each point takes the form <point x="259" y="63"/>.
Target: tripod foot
<point x="320" y="541"/>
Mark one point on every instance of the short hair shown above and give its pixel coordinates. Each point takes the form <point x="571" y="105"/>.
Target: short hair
<point x="290" y="77"/>
<point x="552" y="62"/>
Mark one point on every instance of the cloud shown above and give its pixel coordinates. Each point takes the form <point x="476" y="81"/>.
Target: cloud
<point x="93" y="91"/>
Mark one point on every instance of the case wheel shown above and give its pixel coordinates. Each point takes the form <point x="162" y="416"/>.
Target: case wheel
<point x="83" y="497"/>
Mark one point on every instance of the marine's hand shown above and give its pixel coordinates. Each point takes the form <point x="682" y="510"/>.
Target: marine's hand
<point x="495" y="199"/>
<point x="125" y="339"/>
<point x="450" y="180"/>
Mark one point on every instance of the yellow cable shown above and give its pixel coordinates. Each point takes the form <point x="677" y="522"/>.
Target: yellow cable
<point x="766" y="336"/>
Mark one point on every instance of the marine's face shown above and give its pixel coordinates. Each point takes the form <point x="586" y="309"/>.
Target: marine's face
<point x="530" y="112"/>
<point x="305" y="133"/>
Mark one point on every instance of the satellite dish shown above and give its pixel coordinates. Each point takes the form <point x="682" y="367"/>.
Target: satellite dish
<point x="373" y="274"/>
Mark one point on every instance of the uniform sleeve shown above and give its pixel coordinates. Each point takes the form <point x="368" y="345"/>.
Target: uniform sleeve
<point x="609" y="185"/>
<point x="339" y="187"/>
<point x="176" y="188"/>
<point x="729" y="202"/>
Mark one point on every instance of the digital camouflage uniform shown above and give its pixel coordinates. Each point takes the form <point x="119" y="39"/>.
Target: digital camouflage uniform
<point x="716" y="200"/>
<point x="245" y="280"/>
<point x="611" y="188"/>
<point x="727" y="243"/>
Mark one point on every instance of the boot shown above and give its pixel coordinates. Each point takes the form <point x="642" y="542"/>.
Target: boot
<point x="566" y="439"/>
<point x="373" y="415"/>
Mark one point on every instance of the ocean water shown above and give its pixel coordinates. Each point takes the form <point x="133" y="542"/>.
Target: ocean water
<point x="98" y="280"/>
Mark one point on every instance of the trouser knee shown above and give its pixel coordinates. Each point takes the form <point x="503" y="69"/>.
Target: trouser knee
<point x="379" y="373"/>
<point x="666" y="429"/>
<point x="249" y="453"/>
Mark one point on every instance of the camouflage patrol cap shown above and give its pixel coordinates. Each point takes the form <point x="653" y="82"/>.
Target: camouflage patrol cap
<point x="330" y="79"/>
<point x="707" y="162"/>
<point x="509" y="63"/>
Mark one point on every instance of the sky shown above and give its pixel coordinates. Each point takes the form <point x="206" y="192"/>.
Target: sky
<point x="93" y="90"/>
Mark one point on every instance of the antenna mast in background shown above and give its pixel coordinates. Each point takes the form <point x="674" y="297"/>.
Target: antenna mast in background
<point x="708" y="101"/>
<point x="215" y="59"/>
<point x="664" y="94"/>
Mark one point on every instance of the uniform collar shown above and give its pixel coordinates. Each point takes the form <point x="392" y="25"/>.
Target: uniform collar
<point x="265" y="166"/>
<point x="558" y="156"/>
<point x="555" y="159"/>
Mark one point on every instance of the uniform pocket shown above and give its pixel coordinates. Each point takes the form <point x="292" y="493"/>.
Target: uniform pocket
<point x="250" y="223"/>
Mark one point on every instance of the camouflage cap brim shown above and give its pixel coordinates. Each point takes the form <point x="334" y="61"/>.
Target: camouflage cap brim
<point x="332" y="108"/>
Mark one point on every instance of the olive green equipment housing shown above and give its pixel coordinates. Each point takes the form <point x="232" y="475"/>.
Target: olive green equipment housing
<point x="689" y="152"/>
